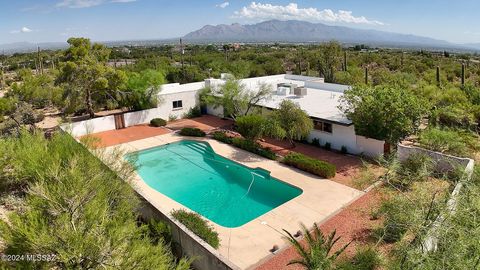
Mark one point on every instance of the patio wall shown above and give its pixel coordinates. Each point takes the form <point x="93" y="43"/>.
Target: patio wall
<point x="165" y="110"/>
<point x="89" y="126"/>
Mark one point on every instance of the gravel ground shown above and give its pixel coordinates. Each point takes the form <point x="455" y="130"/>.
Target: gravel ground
<point x="352" y="223"/>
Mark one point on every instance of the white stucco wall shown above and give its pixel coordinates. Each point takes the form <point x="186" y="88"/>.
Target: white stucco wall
<point x="218" y="111"/>
<point x="165" y="108"/>
<point x="340" y="136"/>
<point x="345" y="136"/>
<point x="90" y="126"/>
<point x="370" y="147"/>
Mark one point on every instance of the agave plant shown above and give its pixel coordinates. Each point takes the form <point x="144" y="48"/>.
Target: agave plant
<point x="315" y="254"/>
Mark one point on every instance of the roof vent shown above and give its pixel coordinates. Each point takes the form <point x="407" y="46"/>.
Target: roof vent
<point x="300" y="91"/>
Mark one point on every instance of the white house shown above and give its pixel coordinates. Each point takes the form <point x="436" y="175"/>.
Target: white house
<point x="318" y="99"/>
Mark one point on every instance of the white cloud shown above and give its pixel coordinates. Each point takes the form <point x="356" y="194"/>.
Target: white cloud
<point x="259" y="11"/>
<point x="22" y="30"/>
<point x="87" y="3"/>
<point x="223" y="5"/>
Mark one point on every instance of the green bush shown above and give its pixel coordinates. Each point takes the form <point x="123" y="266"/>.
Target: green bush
<point x="344" y="149"/>
<point x="316" y="142"/>
<point x="158" y="231"/>
<point x="193" y="132"/>
<point x="198" y="226"/>
<point x="311" y="165"/>
<point x="222" y="137"/>
<point x="366" y="258"/>
<point x="74" y="207"/>
<point x="251" y="126"/>
<point x="254" y="147"/>
<point x="328" y="146"/>
<point x="158" y="122"/>
<point x="193" y="112"/>
<point x="449" y="141"/>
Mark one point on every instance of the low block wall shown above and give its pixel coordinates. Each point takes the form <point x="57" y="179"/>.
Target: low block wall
<point x="207" y="258"/>
<point x="444" y="163"/>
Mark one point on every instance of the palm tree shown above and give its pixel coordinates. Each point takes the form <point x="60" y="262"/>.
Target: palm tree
<point x="315" y="254"/>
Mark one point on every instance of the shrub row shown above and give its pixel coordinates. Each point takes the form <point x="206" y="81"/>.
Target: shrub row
<point x="244" y="144"/>
<point x="254" y="147"/>
<point x="311" y="165"/>
<point x="193" y="132"/>
<point x="222" y="137"/>
<point x="199" y="226"/>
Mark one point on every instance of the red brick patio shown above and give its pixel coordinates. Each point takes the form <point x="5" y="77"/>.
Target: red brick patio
<point x="206" y="123"/>
<point x="133" y="133"/>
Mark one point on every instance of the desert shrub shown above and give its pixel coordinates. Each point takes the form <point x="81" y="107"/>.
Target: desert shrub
<point x="254" y="147"/>
<point x="316" y="142"/>
<point x="416" y="168"/>
<point x="365" y="258"/>
<point x="158" y="122"/>
<point x="222" y="137"/>
<point x="193" y="112"/>
<point x="454" y="116"/>
<point x="172" y="117"/>
<point x="158" y="231"/>
<point x="328" y="146"/>
<point x="449" y="141"/>
<point x="311" y="165"/>
<point x="76" y="208"/>
<point x="193" y="132"/>
<point x="198" y="226"/>
<point x="251" y="126"/>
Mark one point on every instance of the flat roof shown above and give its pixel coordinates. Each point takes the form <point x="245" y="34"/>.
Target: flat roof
<point x="320" y="102"/>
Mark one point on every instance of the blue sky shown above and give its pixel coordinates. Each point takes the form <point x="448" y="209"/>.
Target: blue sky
<point x="104" y="20"/>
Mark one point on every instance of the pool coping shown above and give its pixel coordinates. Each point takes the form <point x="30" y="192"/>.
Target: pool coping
<point x="251" y="230"/>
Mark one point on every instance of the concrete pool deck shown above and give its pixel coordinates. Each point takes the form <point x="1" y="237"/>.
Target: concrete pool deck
<point x="248" y="244"/>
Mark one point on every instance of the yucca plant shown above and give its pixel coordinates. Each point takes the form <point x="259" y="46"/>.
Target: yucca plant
<point x="315" y="253"/>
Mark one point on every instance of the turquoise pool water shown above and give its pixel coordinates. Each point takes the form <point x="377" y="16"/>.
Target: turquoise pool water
<point x="218" y="188"/>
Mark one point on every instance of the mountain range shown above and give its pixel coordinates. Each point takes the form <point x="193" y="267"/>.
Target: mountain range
<point x="301" y="32"/>
<point x="292" y="31"/>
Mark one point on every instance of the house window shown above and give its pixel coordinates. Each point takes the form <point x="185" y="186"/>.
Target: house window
<point x="177" y="104"/>
<point x="323" y="126"/>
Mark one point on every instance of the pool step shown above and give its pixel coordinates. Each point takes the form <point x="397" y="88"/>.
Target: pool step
<point x="201" y="148"/>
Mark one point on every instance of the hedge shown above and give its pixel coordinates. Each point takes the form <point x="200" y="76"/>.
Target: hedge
<point x="245" y="144"/>
<point x="199" y="226"/>
<point x="158" y="122"/>
<point x="311" y="165"/>
<point x="193" y="132"/>
<point x="222" y="137"/>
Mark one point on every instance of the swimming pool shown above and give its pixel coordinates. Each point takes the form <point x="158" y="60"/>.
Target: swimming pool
<point x="223" y="191"/>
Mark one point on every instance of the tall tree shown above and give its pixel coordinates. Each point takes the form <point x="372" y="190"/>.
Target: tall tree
<point x="235" y="98"/>
<point x="383" y="113"/>
<point x="328" y="60"/>
<point x="87" y="80"/>
<point x="289" y="122"/>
